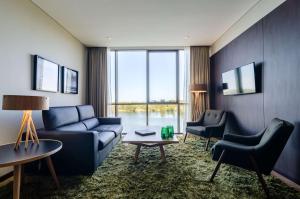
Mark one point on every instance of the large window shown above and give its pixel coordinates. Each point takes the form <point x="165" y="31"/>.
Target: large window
<point x="145" y="87"/>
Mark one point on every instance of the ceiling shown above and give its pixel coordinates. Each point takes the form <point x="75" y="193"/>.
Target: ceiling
<point x="151" y="23"/>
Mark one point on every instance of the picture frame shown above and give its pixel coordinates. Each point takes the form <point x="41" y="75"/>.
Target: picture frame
<point x="45" y="75"/>
<point x="69" y="80"/>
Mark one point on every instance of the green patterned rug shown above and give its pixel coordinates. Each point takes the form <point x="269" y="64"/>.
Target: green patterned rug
<point x="184" y="175"/>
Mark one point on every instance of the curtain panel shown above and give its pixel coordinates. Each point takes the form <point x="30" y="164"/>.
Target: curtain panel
<point x="97" y="80"/>
<point x="199" y="74"/>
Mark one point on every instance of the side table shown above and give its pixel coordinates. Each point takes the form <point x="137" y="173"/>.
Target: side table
<point x="16" y="158"/>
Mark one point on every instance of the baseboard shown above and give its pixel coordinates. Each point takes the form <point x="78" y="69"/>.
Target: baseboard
<point x="286" y="180"/>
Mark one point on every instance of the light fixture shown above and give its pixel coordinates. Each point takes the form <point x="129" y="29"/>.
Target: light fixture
<point x="187" y="37"/>
<point x="27" y="104"/>
<point x="196" y="89"/>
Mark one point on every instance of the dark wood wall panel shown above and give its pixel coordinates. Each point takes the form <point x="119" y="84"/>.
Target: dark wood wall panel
<point x="247" y="110"/>
<point x="273" y="43"/>
<point x="282" y="78"/>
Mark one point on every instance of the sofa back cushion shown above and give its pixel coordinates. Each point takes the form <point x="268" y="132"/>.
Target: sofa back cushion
<point x="91" y="123"/>
<point x="59" y="116"/>
<point x="85" y="112"/>
<point x="78" y="126"/>
<point x="212" y="117"/>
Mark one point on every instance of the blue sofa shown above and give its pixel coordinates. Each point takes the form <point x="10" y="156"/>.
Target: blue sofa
<point x="87" y="140"/>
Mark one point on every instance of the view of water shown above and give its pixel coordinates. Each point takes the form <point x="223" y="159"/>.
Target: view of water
<point x="130" y="120"/>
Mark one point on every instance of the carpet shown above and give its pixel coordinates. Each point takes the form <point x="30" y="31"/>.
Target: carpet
<point x="184" y="175"/>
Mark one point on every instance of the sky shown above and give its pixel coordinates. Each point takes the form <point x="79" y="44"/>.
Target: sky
<point x="132" y="78"/>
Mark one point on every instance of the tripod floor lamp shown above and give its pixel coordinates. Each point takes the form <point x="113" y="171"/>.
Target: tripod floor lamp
<point x="27" y="104"/>
<point x="197" y="90"/>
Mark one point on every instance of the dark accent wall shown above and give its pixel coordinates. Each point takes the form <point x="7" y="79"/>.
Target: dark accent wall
<point x="273" y="43"/>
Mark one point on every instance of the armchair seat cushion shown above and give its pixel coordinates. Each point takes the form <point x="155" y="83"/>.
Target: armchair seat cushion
<point x="104" y="139"/>
<point x="197" y="130"/>
<point x="115" y="128"/>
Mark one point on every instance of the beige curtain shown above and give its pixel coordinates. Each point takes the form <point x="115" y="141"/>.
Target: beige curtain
<point x="200" y="74"/>
<point x="97" y="80"/>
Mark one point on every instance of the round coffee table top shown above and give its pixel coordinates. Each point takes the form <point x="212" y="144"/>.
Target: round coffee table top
<point x="9" y="156"/>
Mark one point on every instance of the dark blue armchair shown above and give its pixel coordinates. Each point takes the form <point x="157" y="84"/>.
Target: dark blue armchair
<point x="257" y="153"/>
<point x="210" y="124"/>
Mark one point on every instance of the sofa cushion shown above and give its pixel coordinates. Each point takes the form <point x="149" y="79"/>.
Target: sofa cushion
<point x="116" y="128"/>
<point x="212" y="117"/>
<point x="196" y="130"/>
<point x="91" y="123"/>
<point x="85" y="112"/>
<point x="59" y="116"/>
<point x="79" y="126"/>
<point x="104" y="139"/>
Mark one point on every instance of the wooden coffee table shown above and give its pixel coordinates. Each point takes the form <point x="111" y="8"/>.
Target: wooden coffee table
<point x="148" y="141"/>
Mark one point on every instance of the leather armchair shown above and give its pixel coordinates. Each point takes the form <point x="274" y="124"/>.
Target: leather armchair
<point x="257" y="153"/>
<point x="210" y="124"/>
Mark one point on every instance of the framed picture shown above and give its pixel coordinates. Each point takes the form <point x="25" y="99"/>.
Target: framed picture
<point x="69" y="81"/>
<point x="46" y="75"/>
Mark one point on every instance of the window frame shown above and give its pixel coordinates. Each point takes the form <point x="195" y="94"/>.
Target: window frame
<point x="147" y="76"/>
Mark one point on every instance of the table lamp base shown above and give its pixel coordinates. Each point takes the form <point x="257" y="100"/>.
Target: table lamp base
<point x="30" y="130"/>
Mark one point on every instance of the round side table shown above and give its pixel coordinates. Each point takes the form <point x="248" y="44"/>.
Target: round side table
<point x="16" y="158"/>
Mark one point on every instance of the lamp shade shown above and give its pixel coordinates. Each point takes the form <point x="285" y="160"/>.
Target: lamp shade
<point x="22" y="102"/>
<point x="201" y="88"/>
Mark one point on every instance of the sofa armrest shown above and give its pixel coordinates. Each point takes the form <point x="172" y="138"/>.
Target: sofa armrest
<point x="79" y="149"/>
<point x="109" y="120"/>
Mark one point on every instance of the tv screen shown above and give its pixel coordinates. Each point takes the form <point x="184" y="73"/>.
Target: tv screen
<point x="240" y="80"/>
<point x="46" y="75"/>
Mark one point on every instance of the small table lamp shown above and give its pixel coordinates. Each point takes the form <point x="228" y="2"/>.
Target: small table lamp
<point x="27" y="104"/>
<point x="196" y="89"/>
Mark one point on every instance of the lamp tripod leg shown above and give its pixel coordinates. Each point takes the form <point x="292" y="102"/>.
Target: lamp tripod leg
<point x="33" y="130"/>
<point x="27" y="134"/>
<point x="23" y="124"/>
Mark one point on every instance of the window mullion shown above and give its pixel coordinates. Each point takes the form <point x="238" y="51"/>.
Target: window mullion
<point x="147" y="89"/>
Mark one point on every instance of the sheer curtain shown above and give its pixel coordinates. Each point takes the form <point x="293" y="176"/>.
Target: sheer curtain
<point x="110" y="83"/>
<point x="200" y="71"/>
<point x="186" y="112"/>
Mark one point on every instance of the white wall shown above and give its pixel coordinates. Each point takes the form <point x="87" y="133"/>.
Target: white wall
<point x="26" y="30"/>
<point x="257" y="12"/>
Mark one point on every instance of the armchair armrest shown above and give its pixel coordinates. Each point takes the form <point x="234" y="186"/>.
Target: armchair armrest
<point x="215" y="130"/>
<point x="198" y="122"/>
<point x="193" y="124"/>
<point x="109" y="120"/>
<point x="235" y="147"/>
<point x="246" y="140"/>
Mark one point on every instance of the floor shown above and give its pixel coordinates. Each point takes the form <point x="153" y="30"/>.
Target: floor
<point x="184" y="175"/>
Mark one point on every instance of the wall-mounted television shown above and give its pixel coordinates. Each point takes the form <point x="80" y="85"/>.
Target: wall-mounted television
<point x="46" y="75"/>
<point x="240" y="80"/>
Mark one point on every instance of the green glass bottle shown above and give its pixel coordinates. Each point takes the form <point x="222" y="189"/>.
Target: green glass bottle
<point x="170" y="131"/>
<point x="164" y="133"/>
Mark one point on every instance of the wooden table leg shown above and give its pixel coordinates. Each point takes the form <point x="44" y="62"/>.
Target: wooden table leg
<point x="137" y="153"/>
<point x="52" y="170"/>
<point x="17" y="181"/>
<point x="162" y="153"/>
